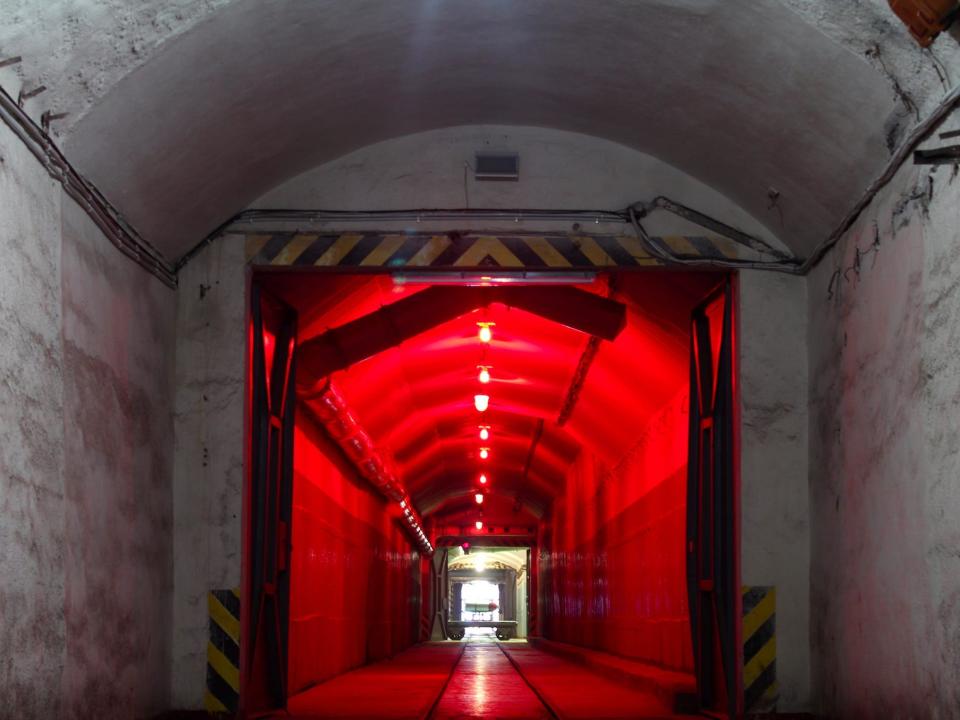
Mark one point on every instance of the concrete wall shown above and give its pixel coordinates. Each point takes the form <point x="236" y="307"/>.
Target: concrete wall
<point x="85" y="464"/>
<point x="32" y="629"/>
<point x="208" y="472"/>
<point x="118" y="329"/>
<point x="775" y="528"/>
<point x="557" y="170"/>
<point x="613" y="567"/>
<point x="885" y="457"/>
<point x="354" y="585"/>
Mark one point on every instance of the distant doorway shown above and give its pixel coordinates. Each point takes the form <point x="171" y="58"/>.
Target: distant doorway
<point x="487" y="593"/>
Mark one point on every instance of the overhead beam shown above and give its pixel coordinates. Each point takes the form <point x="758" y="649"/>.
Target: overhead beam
<point x="393" y="324"/>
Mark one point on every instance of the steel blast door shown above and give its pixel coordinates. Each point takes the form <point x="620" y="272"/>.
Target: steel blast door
<point x="439" y="594"/>
<point x="712" y="511"/>
<point x="273" y="328"/>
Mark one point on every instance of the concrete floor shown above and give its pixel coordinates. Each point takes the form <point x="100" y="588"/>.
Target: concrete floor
<point x="480" y="678"/>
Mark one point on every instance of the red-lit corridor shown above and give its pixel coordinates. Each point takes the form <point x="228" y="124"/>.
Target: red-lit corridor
<point x="492" y="456"/>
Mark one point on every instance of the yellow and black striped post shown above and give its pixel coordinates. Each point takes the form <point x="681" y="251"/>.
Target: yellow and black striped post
<point x="223" y="652"/>
<point x="760" y="689"/>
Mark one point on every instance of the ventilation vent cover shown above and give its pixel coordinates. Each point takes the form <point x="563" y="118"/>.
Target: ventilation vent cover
<point x="497" y="166"/>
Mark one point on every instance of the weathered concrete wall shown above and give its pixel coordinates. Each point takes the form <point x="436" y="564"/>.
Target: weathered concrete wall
<point x="117" y="337"/>
<point x="208" y="479"/>
<point x="558" y="169"/>
<point x="85" y="461"/>
<point x="885" y="457"/>
<point x="775" y="531"/>
<point x="31" y="437"/>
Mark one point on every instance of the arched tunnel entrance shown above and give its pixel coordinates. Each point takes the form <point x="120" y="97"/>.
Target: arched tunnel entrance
<point x="531" y="477"/>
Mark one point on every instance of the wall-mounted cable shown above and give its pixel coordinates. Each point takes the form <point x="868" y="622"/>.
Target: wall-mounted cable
<point x="117" y="230"/>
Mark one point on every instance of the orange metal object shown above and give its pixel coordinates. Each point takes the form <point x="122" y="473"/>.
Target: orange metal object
<point x="925" y="18"/>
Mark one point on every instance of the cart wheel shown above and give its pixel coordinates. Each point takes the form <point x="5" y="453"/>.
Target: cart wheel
<point x="456" y="636"/>
<point x="502" y="636"/>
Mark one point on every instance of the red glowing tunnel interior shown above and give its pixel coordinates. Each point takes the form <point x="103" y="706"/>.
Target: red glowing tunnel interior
<point x="583" y="448"/>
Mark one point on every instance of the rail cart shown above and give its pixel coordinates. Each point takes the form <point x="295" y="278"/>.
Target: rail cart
<point x="505" y="629"/>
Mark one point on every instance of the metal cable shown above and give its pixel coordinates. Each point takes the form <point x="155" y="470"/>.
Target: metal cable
<point x="920" y="133"/>
<point x="792" y="268"/>
<point x="84" y="193"/>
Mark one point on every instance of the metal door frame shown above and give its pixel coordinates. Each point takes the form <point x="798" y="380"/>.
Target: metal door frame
<point x="713" y="508"/>
<point x="267" y="507"/>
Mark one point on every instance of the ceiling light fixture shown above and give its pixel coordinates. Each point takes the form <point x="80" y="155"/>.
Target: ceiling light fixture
<point x="481" y="402"/>
<point x="483" y="479"/>
<point x="482" y="279"/>
<point x="484" y="453"/>
<point x="479" y="524"/>
<point x="484" y="432"/>
<point x="484" y="376"/>
<point x="485" y="333"/>
<point x="479" y="498"/>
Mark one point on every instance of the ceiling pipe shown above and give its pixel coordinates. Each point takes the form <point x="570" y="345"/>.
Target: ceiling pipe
<point x="537" y="434"/>
<point x="332" y="413"/>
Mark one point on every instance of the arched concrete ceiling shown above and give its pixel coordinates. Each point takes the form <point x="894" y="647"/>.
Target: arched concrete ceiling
<point x="489" y="557"/>
<point x="228" y="99"/>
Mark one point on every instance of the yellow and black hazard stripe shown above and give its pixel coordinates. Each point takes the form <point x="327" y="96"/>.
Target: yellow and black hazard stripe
<point x="223" y="652"/>
<point x="760" y="689"/>
<point x="461" y="251"/>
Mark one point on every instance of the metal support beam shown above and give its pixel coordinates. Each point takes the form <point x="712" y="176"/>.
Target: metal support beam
<point x="949" y="155"/>
<point x="392" y="324"/>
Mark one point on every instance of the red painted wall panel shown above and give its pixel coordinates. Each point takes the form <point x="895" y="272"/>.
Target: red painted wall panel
<point x="355" y="587"/>
<point x="612" y="558"/>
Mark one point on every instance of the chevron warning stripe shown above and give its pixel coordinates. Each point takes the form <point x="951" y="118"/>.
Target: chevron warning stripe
<point x="462" y="251"/>
<point x="760" y="689"/>
<point x="223" y="652"/>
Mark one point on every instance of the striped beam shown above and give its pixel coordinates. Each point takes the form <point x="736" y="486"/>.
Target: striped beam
<point x="760" y="689"/>
<point x="461" y="251"/>
<point x="223" y="652"/>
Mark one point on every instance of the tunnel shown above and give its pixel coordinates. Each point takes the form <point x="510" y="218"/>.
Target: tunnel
<point x="419" y="447"/>
<point x="476" y="359"/>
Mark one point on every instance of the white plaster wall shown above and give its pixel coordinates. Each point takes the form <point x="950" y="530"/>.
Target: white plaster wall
<point x="558" y="169"/>
<point x="775" y="529"/>
<point x="31" y="437"/>
<point x="885" y="458"/>
<point x="208" y="480"/>
<point x="85" y="462"/>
